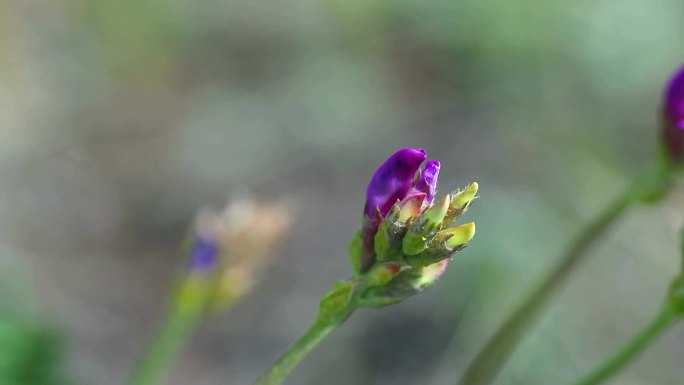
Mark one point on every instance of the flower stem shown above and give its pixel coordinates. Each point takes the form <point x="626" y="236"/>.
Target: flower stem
<point x="298" y="351"/>
<point x="632" y="350"/>
<point x="163" y="350"/>
<point x="493" y="356"/>
<point x="190" y="302"/>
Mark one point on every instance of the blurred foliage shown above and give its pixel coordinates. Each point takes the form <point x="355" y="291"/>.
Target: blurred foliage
<point x="29" y="354"/>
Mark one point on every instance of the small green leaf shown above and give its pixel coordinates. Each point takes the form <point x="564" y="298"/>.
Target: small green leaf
<point x="382" y="243"/>
<point x="336" y="302"/>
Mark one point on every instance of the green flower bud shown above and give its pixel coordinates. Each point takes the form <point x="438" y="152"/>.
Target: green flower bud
<point x="459" y="236"/>
<point x="460" y="202"/>
<point x="444" y="245"/>
<point x="432" y="218"/>
<point x="425" y="227"/>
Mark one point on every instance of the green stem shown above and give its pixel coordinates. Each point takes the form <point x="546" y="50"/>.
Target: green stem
<point x="189" y="305"/>
<point x="493" y="356"/>
<point x="297" y="352"/>
<point x="632" y="350"/>
<point x="153" y="367"/>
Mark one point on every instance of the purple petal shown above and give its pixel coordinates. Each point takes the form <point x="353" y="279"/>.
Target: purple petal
<point x="674" y="97"/>
<point x="428" y="180"/>
<point x="673" y="133"/>
<point x="204" y="255"/>
<point x="393" y="180"/>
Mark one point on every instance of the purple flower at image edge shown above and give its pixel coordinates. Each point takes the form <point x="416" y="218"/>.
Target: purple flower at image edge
<point x="673" y="133"/>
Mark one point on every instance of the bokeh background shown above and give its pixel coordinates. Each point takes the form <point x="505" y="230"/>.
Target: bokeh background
<point x="119" y="119"/>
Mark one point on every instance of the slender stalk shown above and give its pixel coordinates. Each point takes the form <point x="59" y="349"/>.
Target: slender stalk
<point x="632" y="350"/>
<point x="188" y="307"/>
<point x="164" y="349"/>
<point x="297" y="352"/>
<point x="486" y="365"/>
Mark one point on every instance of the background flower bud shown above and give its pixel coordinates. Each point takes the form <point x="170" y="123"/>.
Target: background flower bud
<point x="242" y="236"/>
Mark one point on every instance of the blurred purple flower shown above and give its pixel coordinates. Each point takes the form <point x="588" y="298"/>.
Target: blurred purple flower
<point x="673" y="133"/>
<point x="204" y="255"/>
<point x="392" y="181"/>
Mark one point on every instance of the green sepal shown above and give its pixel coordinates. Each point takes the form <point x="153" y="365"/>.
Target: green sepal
<point x="388" y="239"/>
<point x="413" y="243"/>
<point x="430" y="256"/>
<point x="407" y="284"/>
<point x="356" y="253"/>
<point x="337" y="303"/>
<point x="382" y="243"/>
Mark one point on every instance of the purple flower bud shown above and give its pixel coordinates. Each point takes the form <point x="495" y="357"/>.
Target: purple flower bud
<point x="428" y="180"/>
<point x="204" y="256"/>
<point x="673" y="133"/>
<point x="392" y="181"/>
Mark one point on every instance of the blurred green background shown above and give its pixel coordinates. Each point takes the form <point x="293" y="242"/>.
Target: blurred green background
<point x="120" y="118"/>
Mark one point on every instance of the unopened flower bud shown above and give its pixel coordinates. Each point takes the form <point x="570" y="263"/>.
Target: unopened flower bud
<point x="460" y="202"/>
<point x="425" y="227"/>
<point x="459" y="236"/>
<point x="432" y="218"/>
<point x="443" y="245"/>
<point x="403" y="245"/>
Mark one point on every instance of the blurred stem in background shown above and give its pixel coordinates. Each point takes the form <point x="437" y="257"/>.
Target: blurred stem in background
<point x="633" y="349"/>
<point x="228" y="253"/>
<point x="487" y="364"/>
<point x="162" y="352"/>
<point x="671" y="312"/>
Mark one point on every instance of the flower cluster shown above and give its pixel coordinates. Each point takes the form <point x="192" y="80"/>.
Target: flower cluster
<point x="231" y="248"/>
<point x="406" y="238"/>
<point x="673" y="114"/>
